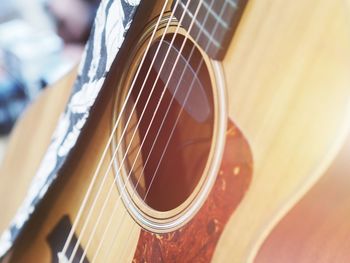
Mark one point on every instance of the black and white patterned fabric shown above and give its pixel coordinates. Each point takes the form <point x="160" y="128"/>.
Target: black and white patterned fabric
<point x="112" y="22"/>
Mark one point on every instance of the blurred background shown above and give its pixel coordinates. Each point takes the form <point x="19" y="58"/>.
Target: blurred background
<point x="40" y="41"/>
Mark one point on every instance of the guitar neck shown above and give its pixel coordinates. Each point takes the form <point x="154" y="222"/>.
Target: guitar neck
<point x="211" y="23"/>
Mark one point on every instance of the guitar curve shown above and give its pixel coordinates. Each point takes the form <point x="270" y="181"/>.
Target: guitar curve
<point x="279" y="96"/>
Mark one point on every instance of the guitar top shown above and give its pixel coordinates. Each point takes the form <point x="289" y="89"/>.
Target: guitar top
<point x="194" y="132"/>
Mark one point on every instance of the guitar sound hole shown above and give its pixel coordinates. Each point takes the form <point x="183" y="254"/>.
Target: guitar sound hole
<point x="168" y="155"/>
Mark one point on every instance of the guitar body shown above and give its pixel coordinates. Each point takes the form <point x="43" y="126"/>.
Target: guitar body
<point x="315" y="227"/>
<point x="286" y="81"/>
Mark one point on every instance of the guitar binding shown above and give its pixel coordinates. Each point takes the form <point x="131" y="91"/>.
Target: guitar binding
<point x="170" y="206"/>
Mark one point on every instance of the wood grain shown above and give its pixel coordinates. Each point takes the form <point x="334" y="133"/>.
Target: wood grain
<point x="288" y="79"/>
<point x="317" y="229"/>
<point x="66" y="197"/>
<point x="28" y="143"/>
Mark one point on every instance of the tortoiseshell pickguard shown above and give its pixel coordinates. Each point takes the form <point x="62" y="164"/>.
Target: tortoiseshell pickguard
<point x="196" y="241"/>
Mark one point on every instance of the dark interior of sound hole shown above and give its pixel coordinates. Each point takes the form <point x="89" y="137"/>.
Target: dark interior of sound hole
<point x="168" y="155"/>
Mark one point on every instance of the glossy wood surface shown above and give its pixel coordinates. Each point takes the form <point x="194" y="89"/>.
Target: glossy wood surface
<point x="67" y="195"/>
<point x="287" y="80"/>
<point x="317" y="229"/>
<point x="27" y="145"/>
<point x="288" y="76"/>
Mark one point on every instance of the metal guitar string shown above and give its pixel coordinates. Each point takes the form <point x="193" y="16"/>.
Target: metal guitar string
<point x="62" y="254"/>
<point x="156" y="137"/>
<point x="115" y="152"/>
<point x="173" y="129"/>
<point x="146" y="133"/>
<point x="110" y="165"/>
<point x="181" y="110"/>
<point x="134" y="134"/>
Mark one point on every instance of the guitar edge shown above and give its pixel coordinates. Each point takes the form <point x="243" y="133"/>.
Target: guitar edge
<point x="317" y="228"/>
<point x="288" y="92"/>
<point x="290" y="64"/>
<point x="28" y="143"/>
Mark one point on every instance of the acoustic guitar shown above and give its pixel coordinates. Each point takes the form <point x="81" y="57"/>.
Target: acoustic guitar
<point x="215" y="120"/>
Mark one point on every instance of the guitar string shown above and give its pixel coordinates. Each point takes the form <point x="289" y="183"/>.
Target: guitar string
<point x="146" y="134"/>
<point x="161" y="126"/>
<point x="99" y="192"/>
<point x="114" y="155"/>
<point x="171" y="134"/>
<point x="104" y="153"/>
<point x="112" y="159"/>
